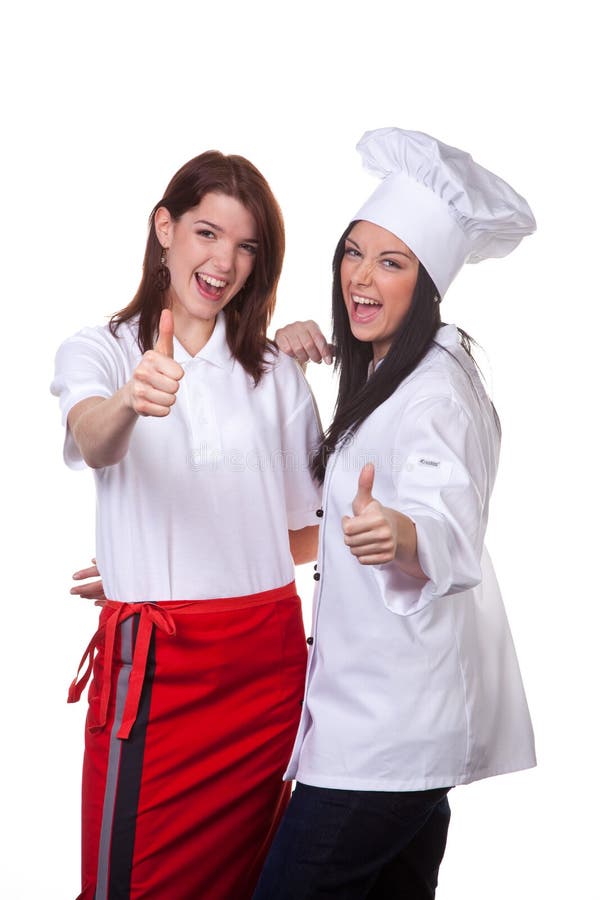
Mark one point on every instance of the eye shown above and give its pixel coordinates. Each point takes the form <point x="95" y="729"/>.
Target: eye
<point x="351" y="252"/>
<point x="249" y="248"/>
<point x="390" y="264"/>
<point x="206" y="233"/>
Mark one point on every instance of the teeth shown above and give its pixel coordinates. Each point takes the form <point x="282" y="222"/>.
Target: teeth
<point x="213" y="281"/>
<point x="365" y="301"/>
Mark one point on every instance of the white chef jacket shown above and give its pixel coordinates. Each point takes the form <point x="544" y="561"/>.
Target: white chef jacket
<point x="201" y="504"/>
<point x="414" y="685"/>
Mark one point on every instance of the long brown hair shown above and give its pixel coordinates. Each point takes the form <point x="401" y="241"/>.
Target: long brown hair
<point x="248" y="314"/>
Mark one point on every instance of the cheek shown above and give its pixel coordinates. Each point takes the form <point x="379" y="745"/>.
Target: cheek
<point x="246" y="267"/>
<point x="180" y="256"/>
<point x="402" y="294"/>
<point x="400" y="311"/>
<point x="345" y="274"/>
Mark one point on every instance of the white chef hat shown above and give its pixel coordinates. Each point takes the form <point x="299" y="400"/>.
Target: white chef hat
<point x="444" y="206"/>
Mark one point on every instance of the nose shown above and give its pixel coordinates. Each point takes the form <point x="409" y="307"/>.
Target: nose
<point x="363" y="272"/>
<point x="223" y="257"/>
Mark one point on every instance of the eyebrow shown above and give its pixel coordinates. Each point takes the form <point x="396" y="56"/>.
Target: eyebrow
<point x="384" y="252"/>
<point x="220" y="230"/>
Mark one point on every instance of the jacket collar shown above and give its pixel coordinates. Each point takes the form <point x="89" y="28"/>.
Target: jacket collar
<point x="447" y="336"/>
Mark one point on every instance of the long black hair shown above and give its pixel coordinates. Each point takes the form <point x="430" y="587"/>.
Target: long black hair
<point x="358" y="394"/>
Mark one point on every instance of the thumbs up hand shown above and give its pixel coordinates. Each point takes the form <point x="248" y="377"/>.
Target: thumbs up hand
<point x="376" y="534"/>
<point x="155" y="381"/>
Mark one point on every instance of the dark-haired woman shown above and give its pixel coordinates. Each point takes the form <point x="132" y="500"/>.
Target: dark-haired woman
<point x="413" y="685"/>
<point x="199" y="435"/>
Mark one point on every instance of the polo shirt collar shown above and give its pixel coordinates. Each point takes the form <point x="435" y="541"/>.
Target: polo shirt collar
<point x="216" y="350"/>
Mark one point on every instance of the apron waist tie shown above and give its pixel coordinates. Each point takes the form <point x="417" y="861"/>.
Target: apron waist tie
<point x="151" y="615"/>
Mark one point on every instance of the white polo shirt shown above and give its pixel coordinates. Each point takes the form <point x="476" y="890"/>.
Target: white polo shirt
<point x="201" y="504"/>
<point x="414" y="685"/>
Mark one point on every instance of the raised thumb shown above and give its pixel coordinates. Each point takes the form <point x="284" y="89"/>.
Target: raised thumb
<point x="166" y="329"/>
<point x="365" y="486"/>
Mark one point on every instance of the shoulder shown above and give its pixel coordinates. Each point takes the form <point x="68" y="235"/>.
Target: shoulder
<point x="446" y="399"/>
<point x="448" y="374"/>
<point x="286" y="372"/>
<point x="293" y="393"/>
<point x="444" y="394"/>
<point x="99" y="340"/>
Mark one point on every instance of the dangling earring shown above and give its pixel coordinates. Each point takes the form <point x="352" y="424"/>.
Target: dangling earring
<point x="162" y="275"/>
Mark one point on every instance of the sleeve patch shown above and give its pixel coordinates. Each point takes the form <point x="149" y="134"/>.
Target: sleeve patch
<point x="424" y="469"/>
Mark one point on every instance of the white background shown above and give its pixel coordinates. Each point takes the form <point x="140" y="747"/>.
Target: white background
<point x="102" y="102"/>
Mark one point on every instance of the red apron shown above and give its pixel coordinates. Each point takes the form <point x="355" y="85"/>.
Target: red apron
<point x="193" y="709"/>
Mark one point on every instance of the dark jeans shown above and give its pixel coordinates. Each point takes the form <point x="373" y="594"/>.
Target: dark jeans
<point x="357" y="845"/>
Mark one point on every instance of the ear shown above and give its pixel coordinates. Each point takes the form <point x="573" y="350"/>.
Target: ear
<point x="163" y="226"/>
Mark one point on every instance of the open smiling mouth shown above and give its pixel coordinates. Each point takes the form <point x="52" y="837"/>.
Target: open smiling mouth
<point x="364" y="309"/>
<point x="210" y="287"/>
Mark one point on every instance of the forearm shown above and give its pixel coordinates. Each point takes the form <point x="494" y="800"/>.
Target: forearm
<point x="102" y="428"/>
<point x="304" y="544"/>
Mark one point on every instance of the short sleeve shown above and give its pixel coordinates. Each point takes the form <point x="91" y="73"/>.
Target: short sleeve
<point x="441" y="481"/>
<point x="86" y="365"/>
<point x="301" y="435"/>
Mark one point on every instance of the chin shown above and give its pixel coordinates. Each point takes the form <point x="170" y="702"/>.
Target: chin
<point x="362" y="337"/>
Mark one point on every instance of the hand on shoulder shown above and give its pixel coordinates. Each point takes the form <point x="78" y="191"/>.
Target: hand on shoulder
<point x="304" y="341"/>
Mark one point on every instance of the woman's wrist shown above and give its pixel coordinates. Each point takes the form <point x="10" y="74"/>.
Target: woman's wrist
<point x="406" y="555"/>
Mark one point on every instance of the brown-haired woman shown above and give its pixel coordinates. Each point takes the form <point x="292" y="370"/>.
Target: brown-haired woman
<point x="199" y="434"/>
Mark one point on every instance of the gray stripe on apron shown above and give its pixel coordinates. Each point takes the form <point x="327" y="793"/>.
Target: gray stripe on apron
<point x="114" y="758"/>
